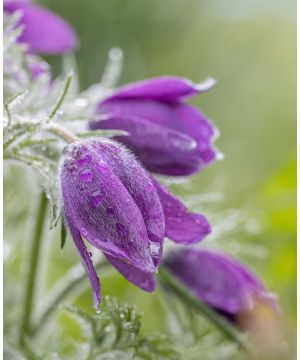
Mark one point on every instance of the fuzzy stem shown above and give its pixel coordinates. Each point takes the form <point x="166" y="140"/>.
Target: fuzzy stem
<point x="62" y="97"/>
<point x="33" y="261"/>
<point x="193" y="302"/>
<point x="61" y="132"/>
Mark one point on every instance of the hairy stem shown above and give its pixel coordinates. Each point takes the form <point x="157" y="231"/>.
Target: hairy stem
<point x="33" y="261"/>
<point x="192" y="301"/>
<point x="61" y="132"/>
<point x="62" y="97"/>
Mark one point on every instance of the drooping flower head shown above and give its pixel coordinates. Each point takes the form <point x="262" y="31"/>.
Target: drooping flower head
<point x="44" y="32"/>
<point x="219" y="281"/>
<point x="112" y="202"/>
<point x="167" y="135"/>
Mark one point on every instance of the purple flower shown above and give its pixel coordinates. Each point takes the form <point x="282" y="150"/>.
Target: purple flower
<point x="44" y="31"/>
<point x="112" y="202"/>
<point x="219" y="281"/>
<point x="168" y="136"/>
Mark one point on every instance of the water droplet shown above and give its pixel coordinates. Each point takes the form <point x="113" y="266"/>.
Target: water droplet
<point x="220" y="156"/>
<point x="149" y="186"/>
<point x="155" y="251"/>
<point x="70" y="150"/>
<point x="85" y="159"/>
<point x="84" y="232"/>
<point x="110" y="210"/>
<point x="121" y="229"/>
<point x="96" y="198"/>
<point x="86" y="175"/>
<point x="103" y="168"/>
<point x="154" y="247"/>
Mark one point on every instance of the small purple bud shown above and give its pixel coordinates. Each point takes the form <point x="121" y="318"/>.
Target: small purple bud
<point x="219" y="281"/>
<point x="168" y="136"/>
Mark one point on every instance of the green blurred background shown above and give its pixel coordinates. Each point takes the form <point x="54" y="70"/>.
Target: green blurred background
<point x="250" y="48"/>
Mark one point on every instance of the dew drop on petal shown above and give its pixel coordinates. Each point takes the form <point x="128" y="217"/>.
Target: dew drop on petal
<point x="110" y="210"/>
<point x="121" y="229"/>
<point x="86" y="175"/>
<point x="154" y="250"/>
<point x="96" y="198"/>
<point x="85" y="159"/>
<point x="84" y="231"/>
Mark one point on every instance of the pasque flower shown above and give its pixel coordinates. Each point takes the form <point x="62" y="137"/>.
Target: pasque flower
<point x="44" y="32"/>
<point x="112" y="202"/>
<point x="219" y="281"/>
<point x="166" y="134"/>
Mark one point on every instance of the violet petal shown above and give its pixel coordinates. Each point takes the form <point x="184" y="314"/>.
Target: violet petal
<point x="87" y="262"/>
<point x="159" y="148"/>
<point x="182" y="226"/>
<point x="168" y="138"/>
<point x="139" y="185"/>
<point x="164" y="88"/>
<point x="44" y="31"/>
<point x="145" y="281"/>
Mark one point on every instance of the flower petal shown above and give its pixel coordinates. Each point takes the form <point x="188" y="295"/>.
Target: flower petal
<point x="181" y="126"/>
<point x="139" y="185"/>
<point x="101" y="207"/>
<point x="164" y="88"/>
<point x="145" y="281"/>
<point x="182" y="226"/>
<point x="159" y="148"/>
<point x="216" y="279"/>
<point x="86" y="261"/>
<point x="44" y="31"/>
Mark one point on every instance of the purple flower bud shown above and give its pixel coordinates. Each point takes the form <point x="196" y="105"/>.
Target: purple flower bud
<point x="112" y="202"/>
<point x="44" y="31"/>
<point x="168" y="136"/>
<point x="219" y="281"/>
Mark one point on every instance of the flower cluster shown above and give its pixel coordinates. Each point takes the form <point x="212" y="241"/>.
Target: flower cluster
<point x="109" y="195"/>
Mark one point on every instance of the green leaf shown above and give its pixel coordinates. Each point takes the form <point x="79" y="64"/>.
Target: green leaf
<point x="116" y="334"/>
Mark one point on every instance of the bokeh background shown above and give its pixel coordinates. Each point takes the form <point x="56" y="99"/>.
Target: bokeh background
<point x="250" y="48"/>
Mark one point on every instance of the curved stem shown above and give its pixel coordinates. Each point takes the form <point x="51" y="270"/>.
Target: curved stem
<point x="193" y="302"/>
<point x="33" y="260"/>
<point x="62" y="97"/>
<point x="61" y="132"/>
<point x="68" y="284"/>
